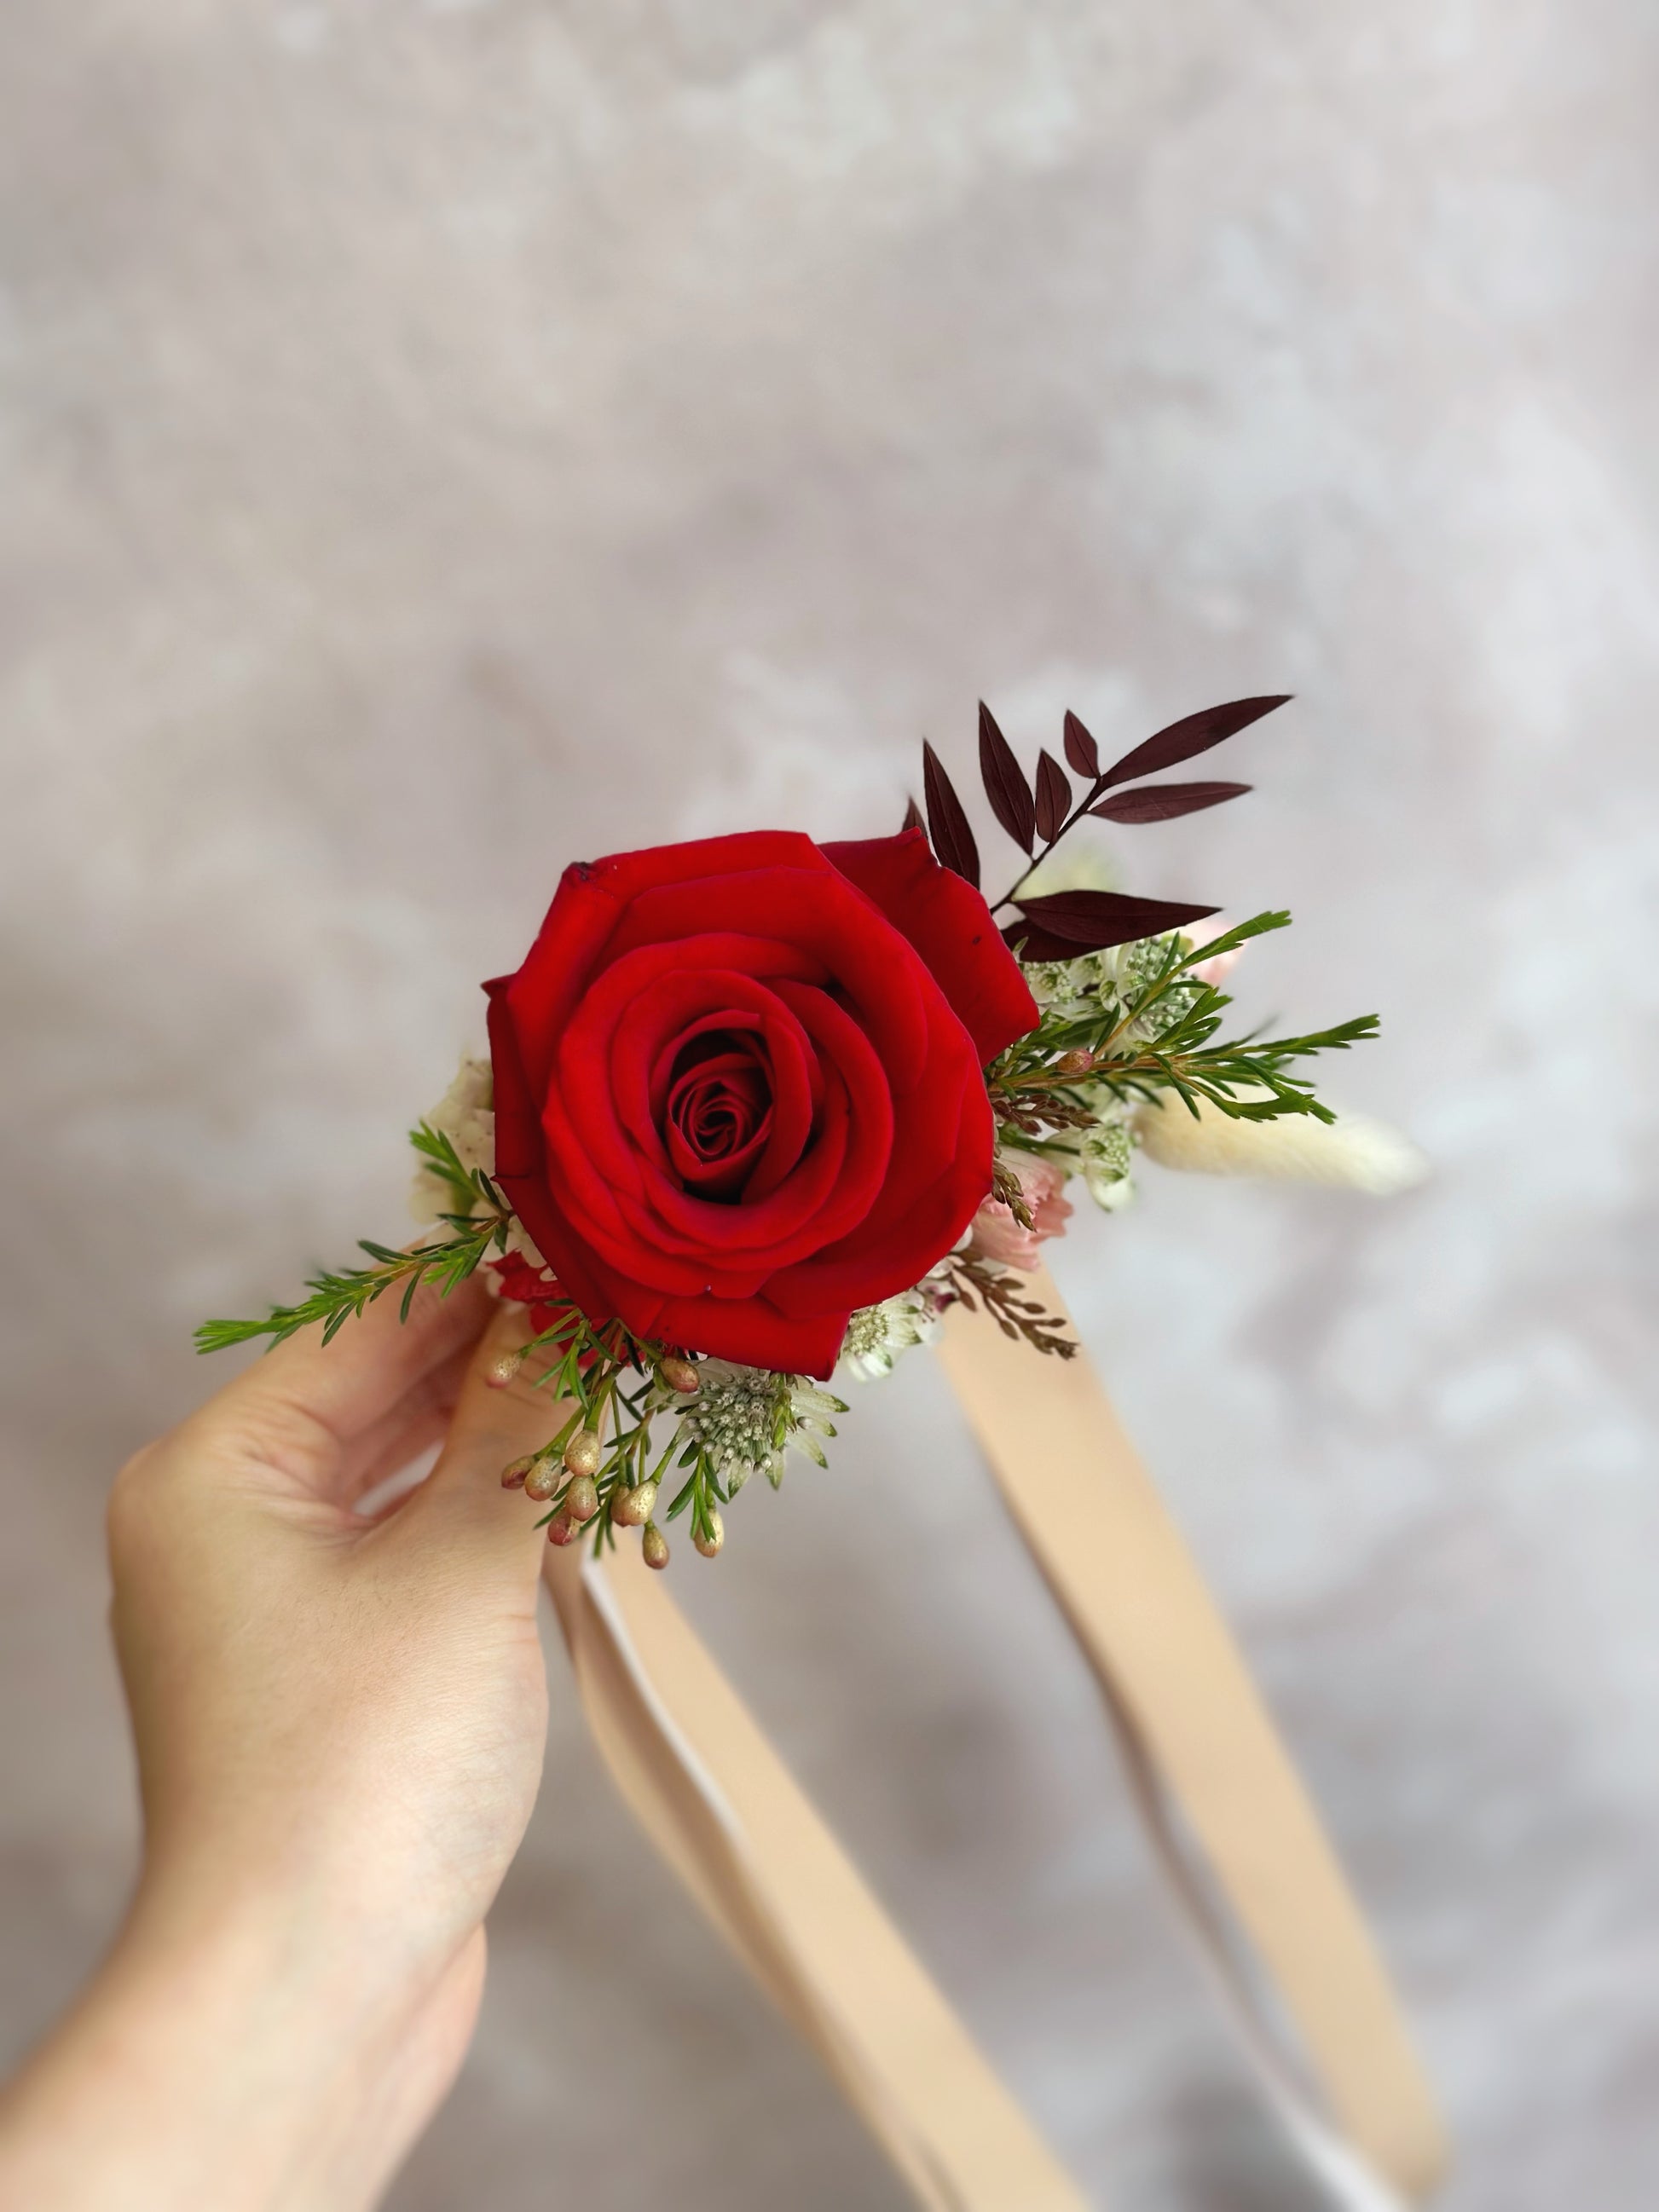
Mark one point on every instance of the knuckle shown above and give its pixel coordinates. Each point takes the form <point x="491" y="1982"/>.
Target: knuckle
<point x="131" y="1504"/>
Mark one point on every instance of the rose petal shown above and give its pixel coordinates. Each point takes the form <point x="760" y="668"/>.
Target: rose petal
<point x="951" y="926"/>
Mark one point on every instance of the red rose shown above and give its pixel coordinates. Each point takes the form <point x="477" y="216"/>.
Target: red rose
<point x="739" y="1088"/>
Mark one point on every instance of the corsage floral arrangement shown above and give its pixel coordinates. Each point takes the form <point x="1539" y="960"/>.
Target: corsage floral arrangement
<point x="757" y="1111"/>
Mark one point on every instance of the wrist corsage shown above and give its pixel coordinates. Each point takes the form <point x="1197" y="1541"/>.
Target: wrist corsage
<point x="757" y="1111"/>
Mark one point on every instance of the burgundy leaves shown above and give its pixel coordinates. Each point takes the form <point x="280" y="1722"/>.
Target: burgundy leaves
<point x="1054" y="797"/>
<point x="947" y="824"/>
<point x="1194" y="733"/>
<point x="1037" y="813"/>
<point x="1081" y="750"/>
<point x="1005" y="782"/>
<point x="1161" y="802"/>
<point x="1063" y="924"/>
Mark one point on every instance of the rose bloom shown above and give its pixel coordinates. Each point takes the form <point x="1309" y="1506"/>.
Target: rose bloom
<point x="998" y="1236"/>
<point x="739" y="1088"/>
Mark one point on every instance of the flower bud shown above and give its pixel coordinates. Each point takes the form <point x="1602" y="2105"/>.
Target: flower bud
<point x="561" y="1530"/>
<point x="633" y="1508"/>
<point x="1078" y="1061"/>
<point x="513" y="1475"/>
<point x="543" y="1480"/>
<point x="582" y="1500"/>
<point x="709" y="1541"/>
<point x="500" y="1371"/>
<point x="584" y="1452"/>
<point x="678" y="1373"/>
<point x="653" y="1548"/>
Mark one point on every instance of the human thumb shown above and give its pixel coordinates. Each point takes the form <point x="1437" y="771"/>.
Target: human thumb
<point x="499" y="1417"/>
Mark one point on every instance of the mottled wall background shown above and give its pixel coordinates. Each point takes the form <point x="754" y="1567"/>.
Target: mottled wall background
<point x="440" y="440"/>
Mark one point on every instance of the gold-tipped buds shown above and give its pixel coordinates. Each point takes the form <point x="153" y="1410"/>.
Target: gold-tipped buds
<point x="513" y="1475"/>
<point x="502" y="1370"/>
<point x="1079" y="1061"/>
<point x="678" y="1373"/>
<point x="543" y="1480"/>
<point x="561" y="1530"/>
<point x="584" y="1452"/>
<point x="581" y="1499"/>
<point x="632" y="1509"/>
<point x="654" y="1548"/>
<point x="709" y="1538"/>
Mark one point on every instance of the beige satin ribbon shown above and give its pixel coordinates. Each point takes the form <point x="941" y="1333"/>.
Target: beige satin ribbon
<point x="711" y="1792"/>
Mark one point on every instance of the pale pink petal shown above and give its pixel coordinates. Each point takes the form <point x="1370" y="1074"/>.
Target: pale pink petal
<point x="998" y="1236"/>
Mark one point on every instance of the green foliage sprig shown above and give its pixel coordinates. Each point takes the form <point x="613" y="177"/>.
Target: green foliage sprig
<point x="338" y="1295"/>
<point x="1161" y="1036"/>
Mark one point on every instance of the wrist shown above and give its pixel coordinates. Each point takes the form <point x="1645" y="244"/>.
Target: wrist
<point x="232" y="2052"/>
<point x="294" y="1936"/>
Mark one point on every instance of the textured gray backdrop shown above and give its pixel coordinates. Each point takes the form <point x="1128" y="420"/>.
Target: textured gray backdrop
<point x="441" y="440"/>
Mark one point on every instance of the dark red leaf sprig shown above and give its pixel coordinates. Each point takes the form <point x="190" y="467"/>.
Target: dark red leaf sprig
<point x="1037" y="813"/>
<point x="947" y="823"/>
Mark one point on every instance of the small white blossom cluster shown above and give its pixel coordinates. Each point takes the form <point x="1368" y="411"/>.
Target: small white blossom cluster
<point x="877" y="1335"/>
<point x="1097" y="982"/>
<point x="1104" y="983"/>
<point x="747" y="1419"/>
<point x="1066" y="988"/>
<point x="1104" y="1154"/>
<point x="1125" y="972"/>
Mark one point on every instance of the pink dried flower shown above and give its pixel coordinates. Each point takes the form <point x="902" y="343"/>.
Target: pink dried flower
<point x="998" y="1235"/>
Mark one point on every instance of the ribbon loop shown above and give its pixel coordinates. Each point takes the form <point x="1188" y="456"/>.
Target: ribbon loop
<point x="1138" y="1607"/>
<point x="713" y="1796"/>
<point x="711" y="1793"/>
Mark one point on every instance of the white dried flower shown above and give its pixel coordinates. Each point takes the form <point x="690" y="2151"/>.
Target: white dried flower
<point x="1101" y="1154"/>
<point x="464" y="1114"/>
<point x="747" y="1419"/>
<point x="1105" y="983"/>
<point x="1067" y="989"/>
<point x="1363" y="1154"/>
<point x="1125" y="972"/>
<point x="877" y="1335"/>
<point x="1104" y="1158"/>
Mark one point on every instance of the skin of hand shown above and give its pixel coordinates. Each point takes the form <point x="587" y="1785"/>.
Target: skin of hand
<point x="340" y="1722"/>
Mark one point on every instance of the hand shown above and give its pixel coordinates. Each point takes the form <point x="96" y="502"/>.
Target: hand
<point x="339" y="1725"/>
